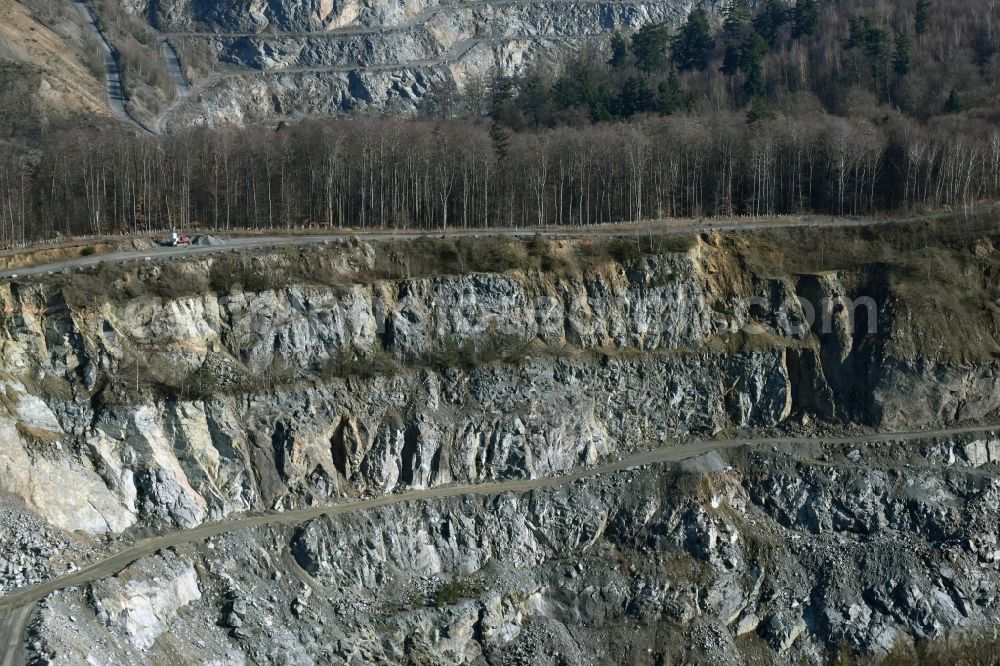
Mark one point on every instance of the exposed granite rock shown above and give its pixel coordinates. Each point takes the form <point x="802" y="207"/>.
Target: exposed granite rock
<point x="618" y="359"/>
<point x="794" y="552"/>
<point x="140" y="603"/>
<point x="334" y="58"/>
<point x="763" y="555"/>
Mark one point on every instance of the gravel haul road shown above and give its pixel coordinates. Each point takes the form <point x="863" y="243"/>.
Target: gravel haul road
<point x="625" y="231"/>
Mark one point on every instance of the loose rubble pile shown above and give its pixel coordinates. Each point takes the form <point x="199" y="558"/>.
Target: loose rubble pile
<point x="32" y="550"/>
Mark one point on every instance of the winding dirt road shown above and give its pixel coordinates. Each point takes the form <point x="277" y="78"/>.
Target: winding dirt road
<point x="112" y="75"/>
<point x="12" y="623"/>
<point x="16" y="607"/>
<point x="182" y="87"/>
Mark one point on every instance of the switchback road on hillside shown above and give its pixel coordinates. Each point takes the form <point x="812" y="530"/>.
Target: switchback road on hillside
<point x="642" y="230"/>
<point x="112" y="75"/>
<point x="15" y="608"/>
<point x="182" y="87"/>
<point x="420" y="20"/>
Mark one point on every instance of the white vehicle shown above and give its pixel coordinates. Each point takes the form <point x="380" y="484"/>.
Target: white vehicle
<point x="176" y="239"/>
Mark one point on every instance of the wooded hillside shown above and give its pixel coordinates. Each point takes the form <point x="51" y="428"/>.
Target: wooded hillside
<point x="838" y="107"/>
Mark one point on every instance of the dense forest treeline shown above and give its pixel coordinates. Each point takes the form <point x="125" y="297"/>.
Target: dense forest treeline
<point x="769" y="107"/>
<point x="406" y="173"/>
<point x="922" y="58"/>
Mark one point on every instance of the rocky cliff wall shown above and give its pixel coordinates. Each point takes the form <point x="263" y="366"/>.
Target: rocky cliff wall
<point x="172" y="411"/>
<point x="162" y="396"/>
<point x="751" y="556"/>
<point x="262" y="61"/>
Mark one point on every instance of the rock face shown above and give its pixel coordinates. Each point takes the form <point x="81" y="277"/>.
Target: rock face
<point x="621" y="359"/>
<point x="138" y="605"/>
<point x="50" y="477"/>
<point x="333" y="58"/>
<point x="123" y="411"/>
<point x="766" y="553"/>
